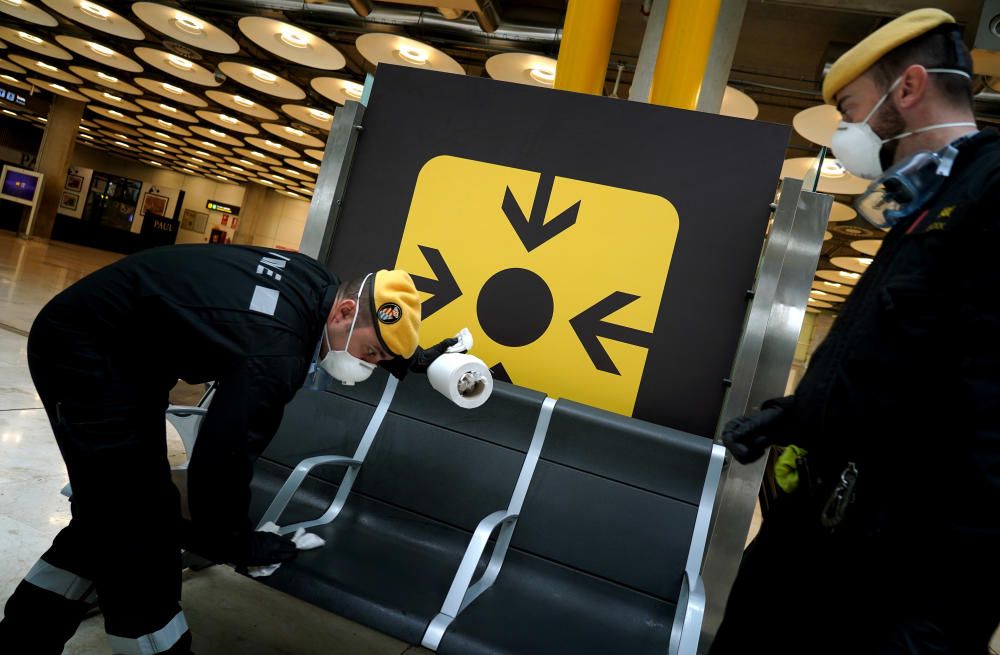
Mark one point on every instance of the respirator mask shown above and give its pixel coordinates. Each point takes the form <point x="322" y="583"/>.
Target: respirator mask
<point x="340" y="364"/>
<point x="860" y="149"/>
<point x="907" y="187"/>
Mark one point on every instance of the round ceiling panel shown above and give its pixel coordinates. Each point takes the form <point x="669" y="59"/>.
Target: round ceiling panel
<point x="186" y="28"/>
<point x="241" y="104"/>
<point x="309" y="115"/>
<point x="257" y="156"/>
<point x="841" y="212"/>
<point x="819" y="304"/>
<point x="164" y="125"/>
<point x="177" y="66"/>
<point x="522" y="68"/>
<point x="113" y="114"/>
<point x="200" y="155"/>
<point x="306" y="165"/>
<point x="273" y="146"/>
<point x="56" y="87"/>
<point x="293" y="134"/>
<point x="45" y="68"/>
<point x="208" y="146"/>
<point x="261" y="80"/>
<point x="170" y="111"/>
<point x="853" y="264"/>
<point x="29" y="13"/>
<point x="34" y="43"/>
<point x="867" y="246"/>
<point x="292" y="43"/>
<point x="100" y="53"/>
<point x="171" y="91"/>
<point x="285" y="171"/>
<point x="836" y="288"/>
<point x="336" y="89"/>
<point x="245" y="164"/>
<point x="97" y="17"/>
<point x="817" y="124"/>
<point x="10" y="80"/>
<point x="315" y="154"/>
<point x="115" y="127"/>
<point x="159" y="138"/>
<point x="737" y="104"/>
<point x="849" y="278"/>
<point x="218" y="136"/>
<point x="108" y="98"/>
<point x="381" y="48"/>
<point x="13" y="68"/>
<point x="833" y="178"/>
<point x="230" y="123"/>
<point x="101" y="78"/>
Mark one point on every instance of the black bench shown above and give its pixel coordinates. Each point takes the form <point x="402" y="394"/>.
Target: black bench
<point x="605" y="517"/>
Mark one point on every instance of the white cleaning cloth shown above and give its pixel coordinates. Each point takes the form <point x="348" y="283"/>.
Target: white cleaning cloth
<point x="303" y="541"/>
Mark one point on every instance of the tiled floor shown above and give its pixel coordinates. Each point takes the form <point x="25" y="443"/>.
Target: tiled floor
<point x="227" y="612"/>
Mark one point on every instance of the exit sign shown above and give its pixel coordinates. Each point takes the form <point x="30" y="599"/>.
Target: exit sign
<point x="214" y="206"/>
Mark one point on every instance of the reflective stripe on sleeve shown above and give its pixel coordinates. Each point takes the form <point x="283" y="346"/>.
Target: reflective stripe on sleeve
<point x="155" y="642"/>
<point x="58" y="581"/>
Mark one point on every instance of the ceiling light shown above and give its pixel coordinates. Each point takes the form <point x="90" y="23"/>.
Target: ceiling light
<point x="353" y="90"/>
<point x="9" y="78"/>
<point x="123" y="145"/>
<point x="820" y="293"/>
<point x="309" y="164"/>
<point x="247" y="162"/>
<point x="115" y="113"/>
<point x="9" y="112"/>
<point x="218" y="133"/>
<point x="107" y="78"/>
<point x="48" y="67"/>
<point x="267" y="182"/>
<point x="121" y="136"/>
<point x="834" y="284"/>
<point x="103" y="51"/>
<point x="208" y="144"/>
<point x="154" y="163"/>
<point x="853" y="276"/>
<point x="864" y="261"/>
<point x="412" y="55"/>
<point x="543" y="75"/>
<point x="30" y="38"/>
<point x="94" y="11"/>
<point x="14" y="3"/>
<point x="112" y="98"/>
<point x="832" y="168"/>
<point x="86" y="136"/>
<point x="163" y="135"/>
<point x="320" y="115"/>
<point x="237" y="168"/>
<point x="180" y="62"/>
<point x="293" y="131"/>
<point x="228" y="119"/>
<point x="188" y="23"/>
<point x="278" y="177"/>
<point x="164" y="107"/>
<point x="222" y="177"/>
<point x="159" y="152"/>
<point x="59" y="87"/>
<point x="258" y="155"/>
<point x="202" y="153"/>
<point x="160" y="144"/>
<point x="200" y="161"/>
<point x="273" y="144"/>
<point x="813" y="300"/>
<point x="246" y="102"/>
<point x="263" y="75"/>
<point x="295" y="38"/>
<point x="292" y="194"/>
<point x="170" y="88"/>
<point x="164" y="123"/>
<point x="42" y="119"/>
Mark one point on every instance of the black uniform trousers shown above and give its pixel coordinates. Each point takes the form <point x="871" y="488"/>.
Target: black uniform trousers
<point x="801" y="589"/>
<point x="122" y="541"/>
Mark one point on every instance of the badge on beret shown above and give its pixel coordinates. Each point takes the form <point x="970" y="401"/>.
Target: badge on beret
<point x="389" y="313"/>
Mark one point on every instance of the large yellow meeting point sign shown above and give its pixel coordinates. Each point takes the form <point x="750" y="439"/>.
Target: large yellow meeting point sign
<point x="560" y="279"/>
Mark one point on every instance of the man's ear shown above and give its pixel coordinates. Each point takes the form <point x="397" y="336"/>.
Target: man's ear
<point x="912" y="87"/>
<point x="343" y="311"/>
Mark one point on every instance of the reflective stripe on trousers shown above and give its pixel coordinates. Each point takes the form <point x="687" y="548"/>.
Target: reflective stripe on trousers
<point x="155" y="642"/>
<point x="60" y="581"/>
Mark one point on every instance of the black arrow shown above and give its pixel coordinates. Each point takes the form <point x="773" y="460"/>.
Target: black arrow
<point x="443" y="290"/>
<point x="534" y="231"/>
<point x="590" y="324"/>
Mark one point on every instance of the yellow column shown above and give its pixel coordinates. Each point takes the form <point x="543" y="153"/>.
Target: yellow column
<point x="586" y="45"/>
<point x="54" y="156"/>
<point x="684" y="49"/>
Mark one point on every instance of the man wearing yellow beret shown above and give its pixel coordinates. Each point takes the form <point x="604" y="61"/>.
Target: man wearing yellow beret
<point x="104" y="354"/>
<point x="891" y="541"/>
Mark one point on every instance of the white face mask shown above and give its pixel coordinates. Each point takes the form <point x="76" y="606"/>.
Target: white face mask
<point x="858" y="147"/>
<point x="340" y="364"/>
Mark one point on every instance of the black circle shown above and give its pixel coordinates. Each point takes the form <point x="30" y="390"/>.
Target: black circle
<point x="515" y="307"/>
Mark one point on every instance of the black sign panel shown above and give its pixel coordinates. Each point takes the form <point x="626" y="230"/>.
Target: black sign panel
<point x="599" y="249"/>
<point x="215" y="206"/>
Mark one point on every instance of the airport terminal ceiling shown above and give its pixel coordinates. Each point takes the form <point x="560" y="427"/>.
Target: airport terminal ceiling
<point x="246" y="90"/>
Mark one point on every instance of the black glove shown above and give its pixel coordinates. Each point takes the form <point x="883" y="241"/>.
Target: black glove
<point x="420" y="361"/>
<point x="242" y="549"/>
<point x="747" y="437"/>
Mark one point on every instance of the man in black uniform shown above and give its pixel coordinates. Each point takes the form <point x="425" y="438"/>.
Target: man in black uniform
<point x="104" y="354"/>
<point x="891" y="542"/>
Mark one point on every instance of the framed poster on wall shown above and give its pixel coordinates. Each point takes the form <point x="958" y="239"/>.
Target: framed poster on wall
<point x="194" y="221"/>
<point x="74" y="182"/>
<point x="154" y="204"/>
<point x="69" y="201"/>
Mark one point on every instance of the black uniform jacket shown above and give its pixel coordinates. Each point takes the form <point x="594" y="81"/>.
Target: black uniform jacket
<point x="249" y="318"/>
<point x="907" y="383"/>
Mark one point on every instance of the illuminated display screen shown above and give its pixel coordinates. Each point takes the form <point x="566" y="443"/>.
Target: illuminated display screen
<point x="19" y="185"/>
<point x="214" y="206"/>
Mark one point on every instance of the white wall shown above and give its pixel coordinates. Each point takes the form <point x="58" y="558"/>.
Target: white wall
<point x="280" y="224"/>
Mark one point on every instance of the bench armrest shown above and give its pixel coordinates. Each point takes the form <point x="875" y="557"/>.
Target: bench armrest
<point x="295" y="480"/>
<point x="187" y="421"/>
<point x="463" y="591"/>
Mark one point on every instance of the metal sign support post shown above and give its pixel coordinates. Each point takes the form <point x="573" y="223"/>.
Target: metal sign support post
<point x="324" y="210"/>
<point x="760" y="372"/>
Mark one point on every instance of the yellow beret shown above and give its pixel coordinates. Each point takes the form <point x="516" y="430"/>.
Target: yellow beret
<point x="396" y="311"/>
<point x="853" y="63"/>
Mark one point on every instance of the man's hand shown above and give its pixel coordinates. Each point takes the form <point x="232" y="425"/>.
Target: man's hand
<point x="421" y="360"/>
<point x="747" y="437"/>
<point x="240" y="549"/>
